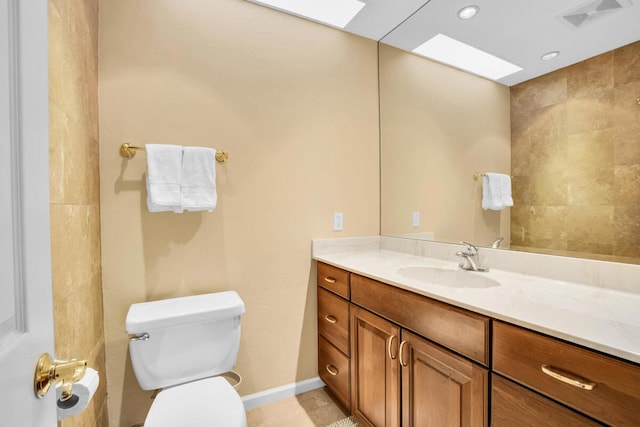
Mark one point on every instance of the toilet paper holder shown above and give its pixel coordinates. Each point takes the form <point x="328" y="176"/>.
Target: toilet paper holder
<point x="49" y="371"/>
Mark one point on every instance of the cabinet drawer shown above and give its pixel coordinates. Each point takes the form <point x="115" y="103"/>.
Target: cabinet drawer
<point x="333" y="369"/>
<point x="333" y="279"/>
<point x="513" y="405"/>
<point x="333" y="319"/>
<point x="460" y="330"/>
<point x="615" y="397"/>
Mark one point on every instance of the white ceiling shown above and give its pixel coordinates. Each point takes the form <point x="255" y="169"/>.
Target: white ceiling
<point x="517" y="31"/>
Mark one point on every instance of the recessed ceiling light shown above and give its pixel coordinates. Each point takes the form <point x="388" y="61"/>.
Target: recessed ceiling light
<point x="468" y="12"/>
<point x="333" y="12"/>
<point x="460" y="55"/>
<point x="549" y="55"/>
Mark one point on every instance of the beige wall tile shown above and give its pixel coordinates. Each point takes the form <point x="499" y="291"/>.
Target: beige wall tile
<point x="626" y="149"/>
<point x="627" y="185"/>
<point x="627" y="63"/>
<point x="543" y="91"/>
<point x="625" y="108"/>
<point x="548" y="223"/>
<point x="590" y="78"/>
<point x="591" y="113"/>
<point x="591" y="150"/>
<point x="549" y="189"/>
<point x="627" y="230"/>
<point x="590" y="225"/>
<point x="590" y="170"/>
<point x="74" y="194"/>
<point x="590" y="187"/>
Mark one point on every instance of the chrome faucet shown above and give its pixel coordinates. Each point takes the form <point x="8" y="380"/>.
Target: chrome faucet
<point x="471" y="261"/>
<point x="496" y="243"/>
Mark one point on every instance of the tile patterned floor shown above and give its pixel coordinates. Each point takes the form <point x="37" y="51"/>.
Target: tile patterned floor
<point x="315" y="408"/>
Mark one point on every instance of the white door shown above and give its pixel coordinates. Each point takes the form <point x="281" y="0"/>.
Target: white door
<point x="26" y="313"/>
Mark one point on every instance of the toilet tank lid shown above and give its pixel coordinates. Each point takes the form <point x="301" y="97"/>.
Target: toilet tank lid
<point x="146" y="316"/>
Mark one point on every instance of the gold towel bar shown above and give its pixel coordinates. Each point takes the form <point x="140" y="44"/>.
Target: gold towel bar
<point x="129" y="150"/>
<point x="478" y="175"/>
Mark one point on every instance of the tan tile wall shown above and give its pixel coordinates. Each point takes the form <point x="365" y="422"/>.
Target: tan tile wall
<point x="75" y="197"/>
<point x="296" y="106"/>
<point x="576" y="158"/>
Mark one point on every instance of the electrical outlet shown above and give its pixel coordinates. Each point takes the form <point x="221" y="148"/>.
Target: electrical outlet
<point x="337" y="221"/>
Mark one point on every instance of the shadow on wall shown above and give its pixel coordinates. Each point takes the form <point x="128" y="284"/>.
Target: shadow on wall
<point x="308" y="350"/>
<point x="163" y="234"/>
<point x="133" y="397"/>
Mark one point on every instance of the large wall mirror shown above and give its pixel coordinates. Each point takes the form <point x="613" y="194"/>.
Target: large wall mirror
<point x="568" y="135"/>
<point x="557" y="109"/>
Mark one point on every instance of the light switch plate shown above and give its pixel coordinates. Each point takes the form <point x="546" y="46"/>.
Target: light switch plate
<point x="337" y="221"/>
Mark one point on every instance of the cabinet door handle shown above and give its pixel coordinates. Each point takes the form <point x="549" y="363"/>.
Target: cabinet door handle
<point x="565" y="377"/>
<point x="332" y="370"/>
<point x="400" y="352"/>
<point x="329" y="318"/>
<point x="389" y="343"/>
<point x="330" y="279"/>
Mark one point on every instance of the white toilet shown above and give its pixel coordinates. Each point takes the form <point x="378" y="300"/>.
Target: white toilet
<point x="181" y="345"/>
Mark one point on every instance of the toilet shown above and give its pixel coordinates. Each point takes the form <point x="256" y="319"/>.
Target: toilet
<point x="182" y="346"/>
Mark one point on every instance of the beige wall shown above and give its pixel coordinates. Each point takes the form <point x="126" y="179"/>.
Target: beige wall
<point x="295" y="105"/>
<point x="74" y="195"/>
<point x="576" y="158"/>
<point x="438" y="125"/>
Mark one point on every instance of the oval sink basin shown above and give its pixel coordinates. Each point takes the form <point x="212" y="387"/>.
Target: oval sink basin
<point x="448" y="277"/>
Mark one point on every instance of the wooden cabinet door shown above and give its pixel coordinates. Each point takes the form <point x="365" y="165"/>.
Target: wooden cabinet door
<point x="375" y="372"/>
<point x="440" y="388"/>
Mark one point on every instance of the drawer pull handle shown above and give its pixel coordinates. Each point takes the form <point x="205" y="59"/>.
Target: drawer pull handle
<point x="389" y="343"/>
<point x="330" y="279"/>
<point x="329" y="318"/>
<point x="332" y="370"/>
<point x="400" y="352"/>
<point x="566" y="378"/>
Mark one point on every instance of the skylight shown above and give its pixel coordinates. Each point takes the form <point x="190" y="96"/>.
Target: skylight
<point x="333" y="12"/>
<point x="460" y="55"/>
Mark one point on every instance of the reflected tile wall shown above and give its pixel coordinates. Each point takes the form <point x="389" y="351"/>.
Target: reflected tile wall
<point x="75" y="194"/>
<point x="576" y="158"/>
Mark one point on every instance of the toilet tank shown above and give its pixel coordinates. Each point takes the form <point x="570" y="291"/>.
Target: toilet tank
<point x="189" y="338"/>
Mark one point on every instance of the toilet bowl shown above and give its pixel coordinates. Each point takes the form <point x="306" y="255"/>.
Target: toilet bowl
<point x="182" y="346"/>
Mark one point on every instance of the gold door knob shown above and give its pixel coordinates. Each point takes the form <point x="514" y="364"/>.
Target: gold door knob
<point x="49" y="371"/>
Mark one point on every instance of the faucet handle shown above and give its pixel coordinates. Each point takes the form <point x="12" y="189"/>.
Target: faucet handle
<point x="472" y="248"/>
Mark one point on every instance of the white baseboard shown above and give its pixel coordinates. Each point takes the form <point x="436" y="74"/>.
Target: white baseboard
<point x="278" y="393"/>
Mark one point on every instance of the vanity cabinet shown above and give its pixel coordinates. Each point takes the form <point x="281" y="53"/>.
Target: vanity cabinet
<point x="401" y="378"/>
<point x="602" y="387"/>
<point x="397" y="358"/>
<point x="334" y="364"/>
<point x="513" y="405"/>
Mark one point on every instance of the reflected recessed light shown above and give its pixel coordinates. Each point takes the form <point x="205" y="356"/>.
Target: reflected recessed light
<point x="460" y="55"/>
<point x="333" y="12"/>
<point x="549" y="55"/>
<point x="468" y="12"/>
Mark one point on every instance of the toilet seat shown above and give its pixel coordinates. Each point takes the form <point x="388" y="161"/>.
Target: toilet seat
<point x="203" y="403"/>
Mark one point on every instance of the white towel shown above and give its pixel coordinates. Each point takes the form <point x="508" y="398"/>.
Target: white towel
<point x="199" y="179"/>
<point x="496" y="191"/>
<point x="164" y="174"/>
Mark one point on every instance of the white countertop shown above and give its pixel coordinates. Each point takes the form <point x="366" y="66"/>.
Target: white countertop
<point x="599" y="318"/>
